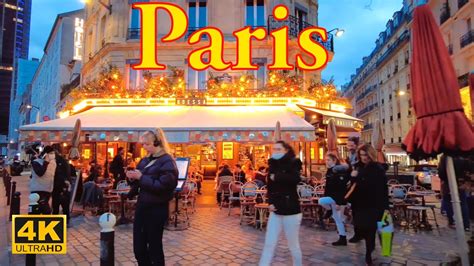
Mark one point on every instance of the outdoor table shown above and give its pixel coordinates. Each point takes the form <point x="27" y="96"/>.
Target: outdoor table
<point x="422" y="195"/>
<point x="123" y="195"/>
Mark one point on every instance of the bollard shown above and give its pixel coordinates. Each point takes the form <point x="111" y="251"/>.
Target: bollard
<point x="12" y="191"/>
<point x="33" y="208"/>
<point x="107" y="235"/>
<point x="15" y="204"/>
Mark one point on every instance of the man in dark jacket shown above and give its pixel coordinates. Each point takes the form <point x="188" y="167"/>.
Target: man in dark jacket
<point x="62" y="181"/>
<point x="117" y="166"/>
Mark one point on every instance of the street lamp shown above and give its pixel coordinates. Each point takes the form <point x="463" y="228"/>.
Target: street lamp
<point x="339" y="32"/>
<point x="401" y="93"/>
<point x="109" y="6"/>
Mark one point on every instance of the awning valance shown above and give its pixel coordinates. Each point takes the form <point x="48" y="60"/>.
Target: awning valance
<point x="331" y="114"/>
<point x="181" y="124"/>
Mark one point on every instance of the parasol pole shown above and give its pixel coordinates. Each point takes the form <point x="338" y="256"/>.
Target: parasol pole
<point x="453" y="188"/>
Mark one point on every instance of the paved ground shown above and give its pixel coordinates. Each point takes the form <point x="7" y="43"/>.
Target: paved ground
<point x="216" y="239"/>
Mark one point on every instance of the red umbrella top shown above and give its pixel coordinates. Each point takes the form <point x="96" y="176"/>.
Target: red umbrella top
<point x="441" y="126"/>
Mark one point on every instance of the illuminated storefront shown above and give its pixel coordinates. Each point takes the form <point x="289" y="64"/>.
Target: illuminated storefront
<point x="231" y="130"/>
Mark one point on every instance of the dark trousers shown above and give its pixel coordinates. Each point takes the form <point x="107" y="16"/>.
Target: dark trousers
<point x="148" y="234"/>
<point x="368" y="234"/>
<point x="464" y="208"/>
<point x="61" y="199"/>
<point x="43" y="203"/>
<point x="7" y="183"/>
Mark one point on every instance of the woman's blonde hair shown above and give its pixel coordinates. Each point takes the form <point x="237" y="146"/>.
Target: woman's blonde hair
<point x="159" y="136"/>
<point x="371" y="152"/>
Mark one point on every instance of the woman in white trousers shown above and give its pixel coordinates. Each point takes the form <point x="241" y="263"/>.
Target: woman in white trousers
<point x="284" y="176"/>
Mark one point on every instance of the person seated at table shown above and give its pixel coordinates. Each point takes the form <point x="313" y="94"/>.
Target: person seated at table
<point x="248" y="170"/>
<point x="221" y="177"/>
<point x="95" y="174"/>
<point x="337" y="178"/>
<point x="196" y="173"/>
<point x="261" y="176"/>
<point x="239" y="174"/>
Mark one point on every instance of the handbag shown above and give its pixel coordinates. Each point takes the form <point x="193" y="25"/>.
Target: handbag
<point x="385" y="231"/>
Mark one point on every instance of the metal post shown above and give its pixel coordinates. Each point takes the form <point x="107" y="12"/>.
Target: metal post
<point x="33" y="208"/>
<point x="15" y="204"/>
<point x="8" y="188"/>
<point x="107" y="235"/>
<point x="453" y="189"/>
<point x="12" y="191"/>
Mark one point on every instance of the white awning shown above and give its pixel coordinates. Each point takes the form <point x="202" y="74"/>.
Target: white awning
<point x="179" y="120"/>
<point x="330" y="114"/>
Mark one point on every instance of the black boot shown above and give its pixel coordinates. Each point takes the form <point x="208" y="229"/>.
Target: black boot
<point x="355" y="239"/>
<point x="341" y="242"/>
<point x="368" y="259"/>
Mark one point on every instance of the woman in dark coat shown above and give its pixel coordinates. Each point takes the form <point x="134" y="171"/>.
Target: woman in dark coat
<point x="368" y="196"/>
<point x="284" y="176"/>
<point x="337" y="178"/>
<point x="156" y="178"/>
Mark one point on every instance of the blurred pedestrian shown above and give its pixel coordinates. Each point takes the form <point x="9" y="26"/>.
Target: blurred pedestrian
<point x="42" y="178"/>
<point x="62" y="182"/>
<point x="284" y="176"/>
<point x="337" y="179"/>
<point x="117" y="166"/>
<point x="6" y="177"/>
<point x="368" y="196"/>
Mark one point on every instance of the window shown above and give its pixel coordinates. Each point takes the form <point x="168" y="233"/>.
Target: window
<point x="255" y="13"/>
<point x="135" y="78"/>
<point x="392" y="140"/>
<point x="399" y="139"/>
<point x="301" y="17"/>
<point x="197" y="14"/>
<point x="390" y="97"/>
<point x="399" y="116"/>
<point x="134" y="18"/>
<point x="469" y="24"/>
<point x="260" y="75"/>
<point x="383" y="121"/>
<point x="197" y="79"/>
<point x="391" y="118"/>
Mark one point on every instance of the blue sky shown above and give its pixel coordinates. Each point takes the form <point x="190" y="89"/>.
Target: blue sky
<point x="362" y="21"/>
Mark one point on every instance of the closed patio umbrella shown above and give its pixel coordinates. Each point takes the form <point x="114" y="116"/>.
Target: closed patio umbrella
<point x="331" y="136"/>
<point x="441" y="126"/>
<point x="377" y="141"/>
<point x="76" y="140"/>
<point x="277" y="133"/>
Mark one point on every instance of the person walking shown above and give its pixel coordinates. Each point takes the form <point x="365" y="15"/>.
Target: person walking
<point x="155" y="179"/>
<point x="6" y="177"/>
<point x="368" y="196"/>
<point x="62" y="181"/>
<point x="42" y="178"/>
<point x="117" y="166"/>
<point x="337" y="179"/>
<point x="351" y="161"/>
<point x="284" y="176"/>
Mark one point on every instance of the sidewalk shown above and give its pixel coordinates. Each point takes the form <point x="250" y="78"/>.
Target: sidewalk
<point x="217" y="239"/>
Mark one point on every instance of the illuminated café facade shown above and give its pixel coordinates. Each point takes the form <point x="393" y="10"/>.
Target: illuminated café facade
<point x="210" y="116"/>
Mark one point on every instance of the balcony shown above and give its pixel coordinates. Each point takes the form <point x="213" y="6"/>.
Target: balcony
<point x="450" y="49"/>
<point x="467" y="39"/>
<point x="461" y="3"/>
<point x="445" y="14"/>
<point x="295" y="27"/>
<point x="367" y="109"/>
<point x="404" y="37"/>
<point x="368" y="127"/>
<point x="365" y="93"/>
<point x="133" y="33"/>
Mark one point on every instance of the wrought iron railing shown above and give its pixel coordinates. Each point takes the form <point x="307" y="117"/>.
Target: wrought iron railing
<point x="295" y="27"/>
<point x="461" y="3"/>
<point x="368" y="126"/>
<point x="445" y="14"/>
<point x="133" y="33"/>
<point x="467" y="39"/>
<point x="367" y="109"/>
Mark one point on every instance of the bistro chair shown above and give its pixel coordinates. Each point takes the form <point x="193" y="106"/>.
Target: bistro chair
<point x="398" y="195"/>
<point x="262" y="212"/>
<point x="248" y="200"/>
<point x="418" y="213"/>
<point x="234" y="187"/>
<point x="223" y="188"/>
<point x="307" y="204"/>
<point x="393" y="182"/>
<point x="188" y="198"/>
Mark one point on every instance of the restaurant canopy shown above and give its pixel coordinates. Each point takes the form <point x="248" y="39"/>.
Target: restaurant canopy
<point x="182" y="124"/>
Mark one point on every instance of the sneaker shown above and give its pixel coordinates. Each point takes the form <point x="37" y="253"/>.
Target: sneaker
<point x="355" y="239"/>
<point x="341" y="242"/>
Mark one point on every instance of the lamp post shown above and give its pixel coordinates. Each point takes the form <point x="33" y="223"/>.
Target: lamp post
<point x="108" y="7"/>
<point x="29" y="106"/>
<point x="339" y="32"/>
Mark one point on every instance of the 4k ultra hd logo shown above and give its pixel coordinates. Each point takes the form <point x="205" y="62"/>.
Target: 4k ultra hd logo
<point x="39" y="234"/>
